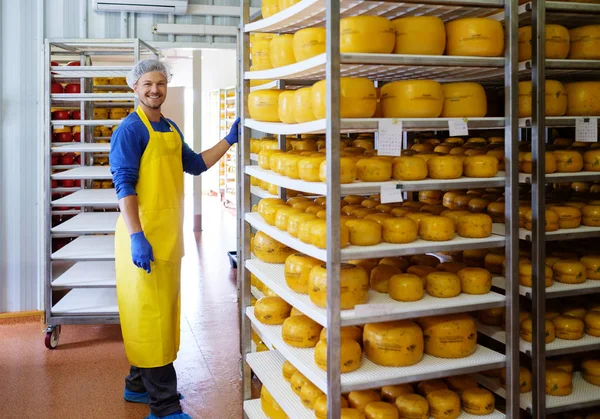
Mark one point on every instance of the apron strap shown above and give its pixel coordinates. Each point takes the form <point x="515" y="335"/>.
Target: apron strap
<point x="147" y="123"/>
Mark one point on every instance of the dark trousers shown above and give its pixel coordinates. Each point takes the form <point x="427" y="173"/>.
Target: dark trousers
<point x="161" y="385"/>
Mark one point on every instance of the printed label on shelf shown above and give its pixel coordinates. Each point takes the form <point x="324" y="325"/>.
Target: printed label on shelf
<point x="458" y="127"/>
<point x="586" y="129"/>
<point x="375" y="309"/>
<point x="391" y="192"/>
<point x="389" y="138"/>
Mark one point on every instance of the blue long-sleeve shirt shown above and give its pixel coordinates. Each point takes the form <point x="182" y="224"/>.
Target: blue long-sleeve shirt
<point x="129" y="142"/>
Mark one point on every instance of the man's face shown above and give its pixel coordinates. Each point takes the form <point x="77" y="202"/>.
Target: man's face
<point x="151" y="88"/>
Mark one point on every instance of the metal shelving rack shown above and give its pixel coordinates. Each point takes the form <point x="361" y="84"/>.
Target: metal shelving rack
<point x="382" y="68"/>
<point x="84" y="266"/>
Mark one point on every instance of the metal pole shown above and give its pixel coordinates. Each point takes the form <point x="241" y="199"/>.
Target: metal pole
<point x="538" y="20"/>
<point x="333" y="213"/>
<point x="47" y="186"/>
<point x="511" y="194"/>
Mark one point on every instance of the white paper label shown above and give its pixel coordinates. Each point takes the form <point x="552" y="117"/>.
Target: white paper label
<point x="375" y="309"/>
<point x="586" y="129"/>
<point x="391" y="192"/>
<point x="458" y="127"/>
<point x="389" y="141"/>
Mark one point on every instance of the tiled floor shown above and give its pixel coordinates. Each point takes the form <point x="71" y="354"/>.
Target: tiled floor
<point x="84" y="376"/>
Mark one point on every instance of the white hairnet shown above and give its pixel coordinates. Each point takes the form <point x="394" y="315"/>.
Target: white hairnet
<point x="147" y="66"/>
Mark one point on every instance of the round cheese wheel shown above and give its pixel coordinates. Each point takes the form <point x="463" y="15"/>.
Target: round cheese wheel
<point x="283" y="215"/>
<point x="303" y="105"/>
<point x="492" y="316"/>
<point x="556" y="98"/>
<point x="585" y="43"/>
<point x="463" y="100"/>
<point x="450" y="336"/>
<point x="309" y="42"/>
<point x="442" y="284"/>
<point x="381" y="410"/>
<point x="354" y="284"/>
<point x="272" y="310"/>
<point x="590" y="369"/>
<point x="478" y="205"/>
<point x="269" y="406"/>
<point x="592" y="323"/>
<point x="481" y="166"/>
<point x="412" y="99"/>
<point x="591" y="215"/>
<point x="304" y="230"/>
<point x="380" y="277"/>
<point x="399" y="230"/>
<point x="557" y="42"/>
<point x="391" y="393"/>
<point x="269" y="213"/>
<point x="568" y="217"/>
<point x="436" y="228"/>
<point x="309" y="395"/>
<point x="591" y="161"/>
<point x="551" y="220"/>
<point x="309" y="168"/>
<point x="364" y="232"/>
<point x="421" y="35"/>
<point x="360" y="399"/>
<point x="527" y="331"/>
<point x="263" y="105"/>
<point x="524" y="380"/>
<point x="455" y="215"/>
<point x="318" y="234"/>
<point x="297" y="220"/>
<point x="269" y="7"/>
<point x="398" y="343"/>
<point x="583" y="98"/>
<point x="320" y="406"/>
<point x="493" y="263"/>
<point x="568" y="160"/>
<point x="475" y="281"/>
<point x="373" y="170"/>
<point x="567" y="327"/>
<point x="367" y="34"/>
<point x="288" y="370"/>
<point x="297" y="382"/>
<point x="430" y="197"/>
<point x="480" y="37"/>
<point x="460" y="383"/>
<point x="569" y="272"/>
<point x="427" y="386"/>
<point x="558" y="382"/>
<point x="406" y="287"/>
<point x="358" y="98"/>
<point x="301" y="331"/>
<point x="573" y="311"/>
<point x="297" y="270"/>
<point x="270" y="250"/>
<point x="346" y="332"/>
<point x="474" y="226"/>
<point x="478" y="401"/>
<point x="592" y="266"/>
<point x="445" y="167"/>
<point x="443" y="404"/>
<point x="281" y="51"/>
<point x="412" y="406"/>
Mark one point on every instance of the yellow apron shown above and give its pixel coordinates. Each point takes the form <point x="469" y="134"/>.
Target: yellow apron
<point x="149" y="304"/>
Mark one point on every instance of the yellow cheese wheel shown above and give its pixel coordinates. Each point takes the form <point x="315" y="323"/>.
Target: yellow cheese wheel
<point x="309" y="395"/>
<point x="320" y="406"/>
<point x="398" y="343"/>
<point x="358" y="98"/>
<point x="592" y="323"/>
<point x="301" y="331"/>
<point x="380" y="277"/>
<point x="412" y="406"/>
<point x="443" y="404"/>
<point x="412" y="99"/>
<point x="296" y="220"/>
<point x="269" y="213"/>
<point x="449" y="336"/>
<point x="309" y="168"/>
<point x="592" y="266"/>
<point x="477" y="401"/>
<point x="297" y="269"/>
<point x="493" y="263"/>
<point x="585" y="43"/>
<point x="590" y="369"/>
<point x="463" y="100"/>
<point x="460" y="383"/>
<point x="269" y="8"/>
<point x="391" y="393"/>
<point x="591" y="215"/>
<point x="373" y="170"/>
<point x="411" y="168"/>
<point x="288" y="370"/>
<point x="492" y="316"/>
<point x="427" y="386"/>
<point x="524" y="380"/>
<point x="269" y="406"/>
<point x="481" y="166"/>
<point x="406" y="287"/>
<point x="381" y="410"/>
<point x="591" y="160"/>
<point x="367" y="34"/>
<point x="569" y="272"/>
<point x="263" y="105"/>
<point x="481" y="37"/>
<point x="526" y="331"/>
<point x="347" y="170"/>
<point x="346" y="332"/>
<point x="420" y="35"/>
<point x="557" y="42"/>
<point x="568" y="160"/>
<point x="281" y="51"/>
<point x="399" y="230"/>
<point x="445" y="167"/>
<point x="442" y="284"/>
<point x="350" y="355"/>
<point x="285" y="107"/>
<point x="272" y="310"/>
<point x="583" y="98"/>
<point x="551" y="220"/>
<point x="474" y="226"/>
<point x="354" y="284"/>
<point x="350" y="413"/>
<point x="309" y="42"/>
<point x="283" y="216"/>
<point x="264" y="157"/>
<point x="573" y="311"/>
<point x="270" y="250"/>
<point x="475" y="281"/>
<point x="303" y="105"/>
<point x="556" y="98"/>
<point x="558" y="382"/>
<point x="567" y="327"/>
<point x="297" y="382"/>
<point x="436" y="228"/>
<point x="360" y="399"/>
<point x="568" y="217"/>
<point x="305" y="229"/>
<point x="364" y="232"/>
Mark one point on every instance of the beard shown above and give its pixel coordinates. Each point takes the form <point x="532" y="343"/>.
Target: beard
<point x="154" y="105"/>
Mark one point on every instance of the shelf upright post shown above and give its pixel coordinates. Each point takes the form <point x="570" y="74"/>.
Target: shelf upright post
<point x="538" y="187"/>
<point x="511" y="188"/>
<point x="334" y="385"/>
<point x="47" y="208"/>
<point x="244" y="198"/>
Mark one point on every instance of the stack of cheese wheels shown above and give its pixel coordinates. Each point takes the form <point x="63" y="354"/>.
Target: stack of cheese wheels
<point x="481" y="37"/>
<point x="421" y="35"/>
<point x="556" y="98"/>
<point x="557" y="42"/>
<point x="449" y="336"/>
<point x="367" y="34"/>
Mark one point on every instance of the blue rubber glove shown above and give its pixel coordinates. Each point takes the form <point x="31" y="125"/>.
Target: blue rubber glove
<point x="141" y="251"/>
<point x="232" y="137"/>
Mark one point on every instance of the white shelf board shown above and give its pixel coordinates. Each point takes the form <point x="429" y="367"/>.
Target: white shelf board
<point x="256" y="292"/>
<point x="358" y="188"/>
<point x="563" y="177"/>
<point x="261" y="193"/>
<point x="311" y="13"/>
<point x="268" y="367"/>
<point x="89" y="197"/>
<point x="380" y="306"/>
<point x="89" y="223"/>
<point x="78" y="97"/>
<point x="89" y="71"/>
<point x="266" y="86"/>
<point x="85" y="172"/>
<point x="390" y="67"/>
<point x="380" y="250"/>
<point x="369" y="125"/>
<point x="88" y="275"/>
<point x="554" y="348"/>
<point x="84" y="122"/>
<point x="88" y="301"/>
<point x="557" y="289"/>
<point x="371" y="375"/>
<point x="253" y="409"/>
<point x="580" y="232"/>
<point x="584" y="395"/>
<point x="552" y="121"/>
<point x="91" y="248"/>
<point x="82" y="148"/>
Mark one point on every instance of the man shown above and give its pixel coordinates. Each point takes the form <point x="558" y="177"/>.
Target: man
<point x="148" y="158"/>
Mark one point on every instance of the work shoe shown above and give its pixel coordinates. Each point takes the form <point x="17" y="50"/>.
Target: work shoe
<point x="135" y="397"/>
<point x="177" y="415"/>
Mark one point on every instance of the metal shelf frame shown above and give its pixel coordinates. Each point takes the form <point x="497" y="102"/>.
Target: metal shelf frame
<point x="331" y="66"/>
<point x="88" y="301"/>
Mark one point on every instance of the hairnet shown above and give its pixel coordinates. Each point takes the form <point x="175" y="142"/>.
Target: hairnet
<point x="146" y="66"/>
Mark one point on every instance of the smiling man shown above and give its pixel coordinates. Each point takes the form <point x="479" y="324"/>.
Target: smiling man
<point x="147" y="159"/>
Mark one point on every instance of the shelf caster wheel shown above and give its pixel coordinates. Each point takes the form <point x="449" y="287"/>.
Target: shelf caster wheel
<point x="52" y="336"/>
